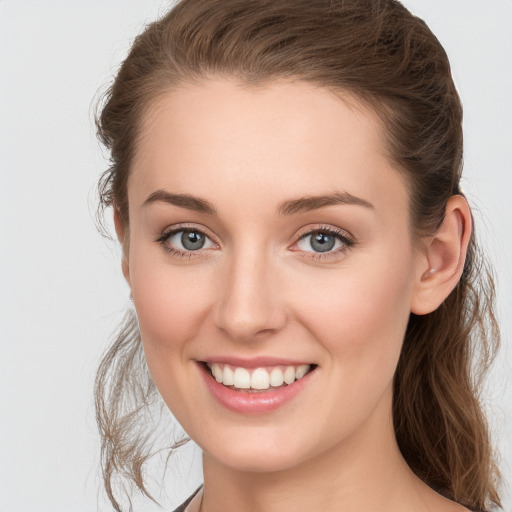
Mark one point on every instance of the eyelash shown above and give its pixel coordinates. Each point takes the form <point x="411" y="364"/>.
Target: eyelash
<point x="164" y="239"/>
<point x="346" y="240"/>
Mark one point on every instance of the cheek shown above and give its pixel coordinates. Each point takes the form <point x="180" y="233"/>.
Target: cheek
<point x="360" y="320"/>
<point x="171" y="302"/>
<point x="360" y="316"/>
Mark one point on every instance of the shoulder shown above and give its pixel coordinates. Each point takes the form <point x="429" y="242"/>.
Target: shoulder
<point x="188" y="501"/>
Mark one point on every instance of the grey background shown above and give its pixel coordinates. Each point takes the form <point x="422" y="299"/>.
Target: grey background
<point x="61" y="290"/>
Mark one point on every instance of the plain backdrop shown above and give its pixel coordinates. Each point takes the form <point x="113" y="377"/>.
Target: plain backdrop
<point x="61" y="290"/>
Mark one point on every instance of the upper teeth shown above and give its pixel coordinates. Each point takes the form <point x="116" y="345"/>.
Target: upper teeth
<point x="257" y="378"/>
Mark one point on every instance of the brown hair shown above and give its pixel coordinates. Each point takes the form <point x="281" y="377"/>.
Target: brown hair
<point x="389" y="59"/>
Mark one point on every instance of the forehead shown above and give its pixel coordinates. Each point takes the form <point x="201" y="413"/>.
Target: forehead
<point x="221" y="137"/>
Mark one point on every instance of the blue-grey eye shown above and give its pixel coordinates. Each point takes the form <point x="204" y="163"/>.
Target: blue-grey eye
<point x="319" y="241"/>
<point x="192" y="240"/>
<point x="189" y="240"/>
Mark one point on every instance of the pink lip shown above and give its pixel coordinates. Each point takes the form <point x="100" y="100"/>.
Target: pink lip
<point x="253" y="403"/>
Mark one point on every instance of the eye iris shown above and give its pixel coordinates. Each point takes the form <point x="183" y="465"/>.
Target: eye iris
<point x="192" y="240"/>
<point x="322" y="242"/>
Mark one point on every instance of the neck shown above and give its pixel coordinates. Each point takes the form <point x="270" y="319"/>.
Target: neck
<point x="364" y="472"/>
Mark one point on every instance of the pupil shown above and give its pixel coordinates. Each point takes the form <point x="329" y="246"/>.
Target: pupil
<point x="192" y="240"/>
<point x="322" y="242"/>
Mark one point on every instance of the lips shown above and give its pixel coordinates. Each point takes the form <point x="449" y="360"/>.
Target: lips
<point x="256" y="386"/>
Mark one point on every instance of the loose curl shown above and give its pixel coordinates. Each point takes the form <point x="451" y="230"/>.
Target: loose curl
<point x="377" y="51"/>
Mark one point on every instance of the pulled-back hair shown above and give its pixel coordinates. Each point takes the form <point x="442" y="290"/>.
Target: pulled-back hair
<point x="377" y="51"/>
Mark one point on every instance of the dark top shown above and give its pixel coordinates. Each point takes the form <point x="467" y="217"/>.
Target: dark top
<point x="183" y="506"/>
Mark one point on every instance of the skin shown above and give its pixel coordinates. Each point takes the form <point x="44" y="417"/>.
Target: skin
<point x="258" y="288"/>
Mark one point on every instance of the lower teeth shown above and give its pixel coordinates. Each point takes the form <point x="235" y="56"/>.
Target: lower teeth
<point x="252" y="390"/>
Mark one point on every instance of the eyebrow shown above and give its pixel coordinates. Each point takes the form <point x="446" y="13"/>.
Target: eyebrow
<point x="183" y="200"/>
<point x="305" y="204"/>
<point x="290" y="207"/>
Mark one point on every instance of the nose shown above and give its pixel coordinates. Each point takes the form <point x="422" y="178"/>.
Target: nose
<point x="250" y="305"/>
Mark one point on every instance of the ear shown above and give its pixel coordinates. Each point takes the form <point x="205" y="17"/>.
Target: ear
<point x="442" y="257"/>
<point x="122" y="236"/>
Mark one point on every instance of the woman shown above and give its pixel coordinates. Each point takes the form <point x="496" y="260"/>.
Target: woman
<point x="302" y="262"/>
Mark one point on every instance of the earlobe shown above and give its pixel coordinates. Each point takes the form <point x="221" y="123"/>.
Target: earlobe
<point x="122" y="236"/>
<point x="444" y="256"/>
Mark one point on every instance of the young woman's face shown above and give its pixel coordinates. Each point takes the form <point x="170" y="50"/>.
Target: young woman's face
<point x="269" y="231"/>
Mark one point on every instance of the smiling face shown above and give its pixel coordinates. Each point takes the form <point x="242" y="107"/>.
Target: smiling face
<point x="269" y="230"/>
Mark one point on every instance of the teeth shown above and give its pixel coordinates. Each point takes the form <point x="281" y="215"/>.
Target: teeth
<point x="276" y="377"/>
<point x="301" y="371"/>
<point x="289" y="374"/>
<point x="259" y="378"/>
<point x="242" y="378"/>
<point x="229" y="376"/>
<point x="218" y="373"/>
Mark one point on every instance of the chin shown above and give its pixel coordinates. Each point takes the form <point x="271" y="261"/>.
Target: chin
<point x="258" y="452"/>
<point x="257" y="461"/>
